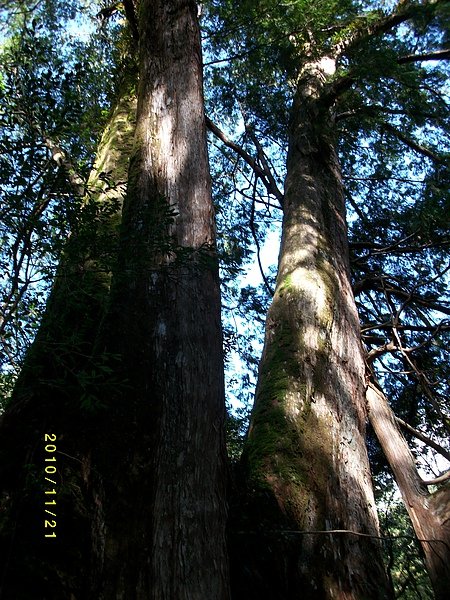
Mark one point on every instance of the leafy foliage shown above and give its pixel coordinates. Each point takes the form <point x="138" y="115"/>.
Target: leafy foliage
<point x="54" y="97"/>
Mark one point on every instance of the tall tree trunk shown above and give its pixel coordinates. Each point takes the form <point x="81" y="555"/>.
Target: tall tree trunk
<point x="305" y="460"/>
<point x="429" y="512"/>
<point x="55" y="394"/>
<point x="165" y="497"/>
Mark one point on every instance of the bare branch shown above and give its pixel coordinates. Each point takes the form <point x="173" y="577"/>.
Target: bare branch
<point x="377" y="352"/>
<point x="441" y="479"/>
<point x="413" y="144"/>
<point x="255" y="237"/>
<point x="267" y="179"/>
<point x="436" y="55"/>
<point x="424" y="438"/>
<point x="262" y="157"/>
<point x="379" y="284"/>
<point x="395" y="248"/>
<point x="423" y="380"/>
<point x="443" y="326"/>
<point x="375" y="109"/>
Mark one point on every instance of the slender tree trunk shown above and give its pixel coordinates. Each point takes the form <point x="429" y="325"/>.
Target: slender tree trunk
<point x="305" y="459"/>
<point x="165" y="506"/>
<point x="429" y="513"/>
<point x="56" y="394"/>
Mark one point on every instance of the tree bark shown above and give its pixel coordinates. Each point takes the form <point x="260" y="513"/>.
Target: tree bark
<point x="165" y="506"/>
<point x="429" y="513"/>
<point x="52" y="395"/>
<point x="305" y="461"/>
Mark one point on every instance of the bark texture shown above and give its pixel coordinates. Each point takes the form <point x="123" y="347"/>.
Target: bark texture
<point x="305" y="458"/>
<point x="51" y="395"/>
<point x="429" y="512"/>
<point x="165" y="505"/>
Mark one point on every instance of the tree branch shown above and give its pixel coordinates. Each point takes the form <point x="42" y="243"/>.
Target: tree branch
<point x="375" y="109"/>
<point x="423" y="438"/>
<point x="62" y="160"/>
<point x="443" y="326"/>
<point x="255" y="238"/>
<point x="267" y="179"/>
<point x="443" y="54"/>
<point x="130" y="13"/>
<point x="264" y="162"/>
<point x="366" y="27"/>
<point x="422" y="379"/>
<point x="413" y="144"/>
<point x="377" y="284"/>
<point x="441" y="479"/>
<point x="395" y="248"/>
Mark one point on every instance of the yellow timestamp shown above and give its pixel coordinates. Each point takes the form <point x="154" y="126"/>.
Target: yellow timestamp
<point x="50" y="463"/>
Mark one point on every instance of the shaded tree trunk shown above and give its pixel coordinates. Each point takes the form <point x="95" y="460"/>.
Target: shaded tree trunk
<point x="310" y="513"/>
<point x="429" y="512"/>
<point x="56" y="394"/>
<point x="164" y="484"/>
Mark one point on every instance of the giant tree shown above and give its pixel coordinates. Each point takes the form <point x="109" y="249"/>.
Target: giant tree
<point x="168" y="485"/>
<point x="320" y="80"/>
<point x="136" y="404"/>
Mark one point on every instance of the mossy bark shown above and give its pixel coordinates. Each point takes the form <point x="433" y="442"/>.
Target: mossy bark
<point x="305" y="462"/>
<point x="57" y="393"/>
<point x="165" y="500"/>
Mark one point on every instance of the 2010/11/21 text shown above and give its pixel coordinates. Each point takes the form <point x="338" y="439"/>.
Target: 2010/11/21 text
<point x="50" y="477"/>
